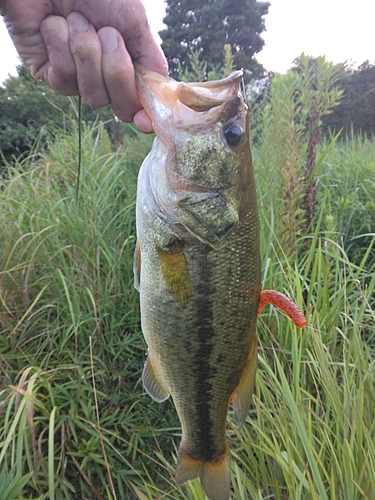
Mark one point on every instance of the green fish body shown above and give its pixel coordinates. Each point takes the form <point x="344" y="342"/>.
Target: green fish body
<point x="197" y="265"/>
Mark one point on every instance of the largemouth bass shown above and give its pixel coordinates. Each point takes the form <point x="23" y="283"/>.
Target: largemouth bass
<point x="197" y="266"/>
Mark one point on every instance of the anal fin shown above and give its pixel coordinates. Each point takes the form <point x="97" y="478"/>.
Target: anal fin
<point x="152" y="382"/>
<point x="214" y="476"/>
<point x="241" y="397"/>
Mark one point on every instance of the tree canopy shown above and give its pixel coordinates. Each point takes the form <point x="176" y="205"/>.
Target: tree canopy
<point x="357" y="109"/>
<point x="28" y="106"/>
<point x="25" y="107"/>
<point x="207" y="26"/>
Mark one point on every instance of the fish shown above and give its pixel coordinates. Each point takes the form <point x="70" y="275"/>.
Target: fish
<point x="197" y="266"/>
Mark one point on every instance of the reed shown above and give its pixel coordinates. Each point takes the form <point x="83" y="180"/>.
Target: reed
<point x="74" y="420"/>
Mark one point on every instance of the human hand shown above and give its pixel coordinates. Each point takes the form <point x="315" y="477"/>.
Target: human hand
<point x="86" y="47"/>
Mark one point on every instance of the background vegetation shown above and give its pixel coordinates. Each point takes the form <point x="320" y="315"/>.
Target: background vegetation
<point x="357" y="110"/>
<point x="192" y="25"/>
<point x="74" y="419"/>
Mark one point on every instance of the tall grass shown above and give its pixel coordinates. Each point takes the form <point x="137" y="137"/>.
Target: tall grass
<point x="74" y="420"/>
<point x="66" y="280"/>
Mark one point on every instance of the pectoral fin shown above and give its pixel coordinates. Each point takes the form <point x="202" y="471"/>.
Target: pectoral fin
<point x="241" y="397"/>
<point x="176" y="273"/>
<point x="152" y="382"/>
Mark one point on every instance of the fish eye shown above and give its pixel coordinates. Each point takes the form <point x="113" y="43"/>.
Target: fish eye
<point x="233" y="134"/>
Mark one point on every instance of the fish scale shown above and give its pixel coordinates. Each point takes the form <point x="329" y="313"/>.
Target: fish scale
<point x="197" y="266"/>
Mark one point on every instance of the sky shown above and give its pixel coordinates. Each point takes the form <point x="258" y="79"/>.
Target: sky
<point x="339" y="29"/>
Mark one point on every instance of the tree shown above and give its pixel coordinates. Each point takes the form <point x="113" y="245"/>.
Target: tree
<point x="208" y="26"/>
<point x="28" y="106"/>
<point x="25" y="108"/>
<point x="357" y="109"/>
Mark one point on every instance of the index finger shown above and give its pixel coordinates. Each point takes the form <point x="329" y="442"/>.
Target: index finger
<point x="146" y="50"/>
<point x="130" y="19"/>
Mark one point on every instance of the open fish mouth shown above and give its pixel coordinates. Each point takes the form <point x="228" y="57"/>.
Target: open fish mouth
<point x="180" y="104"/>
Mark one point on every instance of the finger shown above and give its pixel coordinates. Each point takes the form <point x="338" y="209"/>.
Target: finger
<point x="23" y="23"/>
<point x="141" y="42"/>
<point x="143" y="47"/>
<point x="130" y="19"/>
<point x="118" y="73"/>
<point x="59" y="71"/>
<point x="150" y="55"/>
<point x="86" y="49"/>
<point x="143" y="122"/>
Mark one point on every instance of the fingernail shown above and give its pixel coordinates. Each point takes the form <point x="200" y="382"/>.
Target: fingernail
<point x="78" y="22"/>
<point x="108" y="38"/>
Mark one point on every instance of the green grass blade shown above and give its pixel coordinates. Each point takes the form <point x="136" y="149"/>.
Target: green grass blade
<point x="302" y="433"/>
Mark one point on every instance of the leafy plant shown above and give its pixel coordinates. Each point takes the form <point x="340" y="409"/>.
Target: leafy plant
<point x="205" y="27"/>
<point x="291" y="132"/>
<point x="200" y="70"/>
<point x="30" y="112"/>
<point x="74" y="419"/>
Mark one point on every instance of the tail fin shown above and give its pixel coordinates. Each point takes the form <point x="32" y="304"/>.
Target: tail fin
<point x="214" y="476"/>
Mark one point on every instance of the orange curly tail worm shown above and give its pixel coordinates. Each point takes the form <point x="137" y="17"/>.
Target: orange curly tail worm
<point x="285" y="304"/>
<point x="282" y="302"/>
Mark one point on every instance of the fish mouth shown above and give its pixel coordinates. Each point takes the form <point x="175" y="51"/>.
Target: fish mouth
<point x="179" y="104"/>
<point x="210" y="217"/>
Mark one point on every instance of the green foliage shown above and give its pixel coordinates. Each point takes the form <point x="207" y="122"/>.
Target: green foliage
<point x="284" y="145"/>
<point x="201" y="71"/>
<point x="292" y="117"/>
<point x="228" y="66"/>
<point x="357" y="110"/>
<point x="12" y="484"/>
<point x="198" y="69"/>
<point x="318" y="95"/>
<point x="207" y="26"/>
<point x="74" y="419"/>
<point x="69" y="318"/>
<point x="318" y="91"/>
<point x="351" y="191"/>
<point x="30" y="110"/>
<point x="25" y="106"/>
